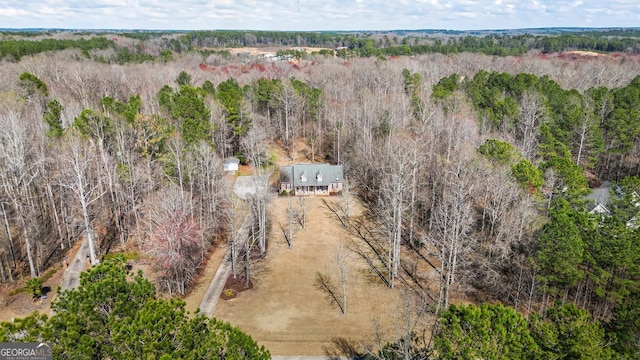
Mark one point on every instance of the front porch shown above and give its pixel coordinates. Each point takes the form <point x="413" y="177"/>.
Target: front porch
<point x="312" y="190"/>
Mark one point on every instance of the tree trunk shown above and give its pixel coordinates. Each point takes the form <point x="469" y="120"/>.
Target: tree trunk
<point x="4" y="276"/>
<point x="343" y="277"/>
<point x="27" y="242"/>
<point x="9" y="272"/>
<point x="233" y="250"/>
<point x="88" y="233"/>
<point x="8" y="229"/>
<point x="531" y="291"/>
<point x="290" y="218"/>
<point x="247" y="262"/>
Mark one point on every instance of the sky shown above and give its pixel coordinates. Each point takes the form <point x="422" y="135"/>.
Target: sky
<point x="310" y="15"/>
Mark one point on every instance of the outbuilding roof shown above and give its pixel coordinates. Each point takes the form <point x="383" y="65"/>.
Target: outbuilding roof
<point x="232" y="160"/>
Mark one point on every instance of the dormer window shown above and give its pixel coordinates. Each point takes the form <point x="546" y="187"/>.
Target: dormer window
<point x="319" y="177"/>
<point x="303" y="177"/>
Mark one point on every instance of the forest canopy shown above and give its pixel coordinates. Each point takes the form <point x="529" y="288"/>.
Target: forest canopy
<point x="482" y="178"/>
<point x="117" y="315"/>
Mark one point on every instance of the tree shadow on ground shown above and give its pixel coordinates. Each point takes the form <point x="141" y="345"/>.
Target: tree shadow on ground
<point x="342" y="347"/>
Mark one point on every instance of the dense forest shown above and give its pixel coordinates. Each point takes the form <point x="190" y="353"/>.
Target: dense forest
<point x="479" y="168"/>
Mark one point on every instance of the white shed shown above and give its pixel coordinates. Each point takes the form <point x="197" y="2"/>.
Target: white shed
<point x="231" y="165"/>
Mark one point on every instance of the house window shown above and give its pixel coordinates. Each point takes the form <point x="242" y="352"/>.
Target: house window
<point x="303" y="177"/>
<point x="319" y="177"/>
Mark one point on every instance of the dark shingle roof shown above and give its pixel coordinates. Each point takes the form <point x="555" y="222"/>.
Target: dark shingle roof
<point x="315" y="174"/>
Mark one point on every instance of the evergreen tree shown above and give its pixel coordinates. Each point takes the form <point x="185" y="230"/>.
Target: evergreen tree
<point x="52" y="118"/>
<point x="32" y="85"/>
<point x="183" y="79"/>
<point x="231" y="96"/>
<point x="567" y="332"/>
<point x="560" y="249"/>
<point x="116" y="315"/>
<point x="187" y="107"/>
<point x="484" y="332"/>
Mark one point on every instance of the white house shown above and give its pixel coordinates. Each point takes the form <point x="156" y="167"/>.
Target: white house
<point x="231" y="165"/>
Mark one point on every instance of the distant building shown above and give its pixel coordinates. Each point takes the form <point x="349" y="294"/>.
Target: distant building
<point x="231" y="165"/>
<point x="599" y="198"/>
<point x="311" y="179"/>
<point x="600" y="209"/>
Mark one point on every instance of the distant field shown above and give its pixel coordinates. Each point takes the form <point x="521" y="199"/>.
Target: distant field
<point x="256" y="51"/>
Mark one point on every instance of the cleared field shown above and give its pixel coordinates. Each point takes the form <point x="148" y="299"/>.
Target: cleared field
<point x="287" y="313"/>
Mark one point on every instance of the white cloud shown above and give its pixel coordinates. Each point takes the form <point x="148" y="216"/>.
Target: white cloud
<point x="317" y="14"/>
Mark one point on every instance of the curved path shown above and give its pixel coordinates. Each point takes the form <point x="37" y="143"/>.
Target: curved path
<point x="212" y="295"/>
<point x="75" y="266"/>
<point x="242" y="187"/>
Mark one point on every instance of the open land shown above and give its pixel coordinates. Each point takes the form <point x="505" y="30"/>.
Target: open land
<point x="286" y="312"/>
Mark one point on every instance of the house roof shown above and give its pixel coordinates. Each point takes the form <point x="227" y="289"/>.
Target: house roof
<point x="232" y="160"/>
<point x="600" y="209"/>
<point x="313" y="174"/>
<point x="600" y="195"/>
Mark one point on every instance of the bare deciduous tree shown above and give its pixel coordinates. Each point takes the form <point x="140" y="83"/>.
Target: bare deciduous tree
<point x="453" y="219"/>
<point x="80" y="179"/>
<point x="17" y="173"/>
<point x="531" y="116"/>
<point x="174" y="244"/>
<point x="289" y="232"/>
<point x="301" y="213"/>
<point x="326" y="282"/>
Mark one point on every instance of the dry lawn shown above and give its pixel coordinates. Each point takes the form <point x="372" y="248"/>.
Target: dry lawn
<point x="286" y="312"/>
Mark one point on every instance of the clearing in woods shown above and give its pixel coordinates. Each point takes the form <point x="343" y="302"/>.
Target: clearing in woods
<point x="285" y="311"/>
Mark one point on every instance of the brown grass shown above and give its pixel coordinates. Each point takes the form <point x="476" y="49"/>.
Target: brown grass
<point x="286" y="312"/>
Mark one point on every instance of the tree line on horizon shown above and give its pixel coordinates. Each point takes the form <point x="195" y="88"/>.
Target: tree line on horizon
<point x="13" y="46"/>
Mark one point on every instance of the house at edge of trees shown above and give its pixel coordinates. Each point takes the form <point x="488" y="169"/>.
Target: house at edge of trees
<point x="311" y="179"/>
<point x="599" y="198"/>
<point x="231" y="165"/>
